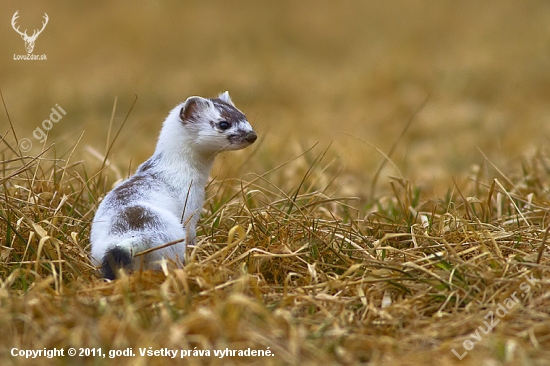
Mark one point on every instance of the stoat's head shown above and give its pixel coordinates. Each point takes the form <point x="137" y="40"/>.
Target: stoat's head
<point x="207" y="126"/>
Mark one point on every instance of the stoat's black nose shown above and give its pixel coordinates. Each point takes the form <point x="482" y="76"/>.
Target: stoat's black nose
<point x="251" y="136"/>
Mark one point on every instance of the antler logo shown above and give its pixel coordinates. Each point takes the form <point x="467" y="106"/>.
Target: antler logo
<point x="29" y="40"/>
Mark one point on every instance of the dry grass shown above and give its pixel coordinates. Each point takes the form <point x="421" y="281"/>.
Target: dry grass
<point x="301" y="249"/>
<point x="298" y="270"/>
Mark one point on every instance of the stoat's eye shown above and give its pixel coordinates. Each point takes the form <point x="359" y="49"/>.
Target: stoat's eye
<point x="224" y="125"/>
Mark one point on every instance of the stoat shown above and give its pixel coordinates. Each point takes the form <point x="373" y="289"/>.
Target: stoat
<point x="162" y="201"/>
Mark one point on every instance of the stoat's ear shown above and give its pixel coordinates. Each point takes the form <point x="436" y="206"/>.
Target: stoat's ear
<point x="226" y="98"/>
<point x="191" y="108"/>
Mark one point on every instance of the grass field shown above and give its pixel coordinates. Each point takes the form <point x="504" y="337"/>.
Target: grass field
<point x="394" y="210"/>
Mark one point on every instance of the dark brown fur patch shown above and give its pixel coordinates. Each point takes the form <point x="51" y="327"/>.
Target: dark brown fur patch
<point x="127" y="189"/>
<point x="228" y="112"/>
<point x="134" y="218"/>
<point x="150" y="163"/>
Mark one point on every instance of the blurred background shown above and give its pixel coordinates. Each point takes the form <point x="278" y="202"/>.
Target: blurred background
<point x="350" y="73"/>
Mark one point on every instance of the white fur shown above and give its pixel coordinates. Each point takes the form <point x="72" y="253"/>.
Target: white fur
<point x="173" y="178"/>
<point x="226" y="98"/>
